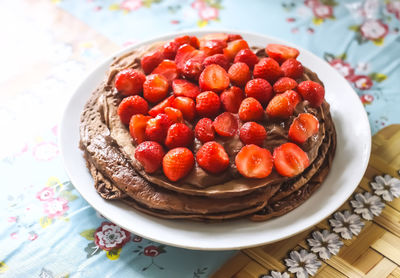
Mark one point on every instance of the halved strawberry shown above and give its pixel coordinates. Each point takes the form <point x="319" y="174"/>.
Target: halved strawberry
<point x="246" y="56"/>
<point x="226" y="124"/>
<point x="292" y="68"/>
<point x="193" y="67"/>
<point x="151" y="60"/>
<point x="290" y="160"/>
<point x="168" y="69"/>
<point x="157" y="128"/>
<point x="283" y="105"/>
<point x="185" y="88"/>
<point x="150" y="154"/>
<point x="159" y="108"/>
<point x="212" y="157"/>
<point x="191" y="40"/>
<point x="231" y="99"/>
<point x="184" y="53"/>
<point x="260" y="89"/>
<point x="204" y="130"/>
<point x="187" y="106"/>
<point x="177" y="163"/>
<point x="218" y="59"/>
<point x="252" y="133"/>
<point x="251" y="110"/>
<point x="213" y="37"/>
<point x="234" y="37"/>
<point x="239" y="73"/>
<point x="283" y="84"/>
<point x="129" y="82"/>
<point x="281" y="52"/>
<point x="234" y="47"/>
<point x="268" y="69"/>
<point x="303" y="127"/>
<point x="137" y="127"/>
<point x="207" y="104"/>
<point x="130" y="106"/>
<point x="169" y="50"/>
<point x="312" y="91"/>
<point x="254" y="162"/>
<point x="155" y="88"/>
<point x="213" y="47"/>
<point x="214" y="78"/>
<point x="174" y="114"/>
<point x="179" y="135"/>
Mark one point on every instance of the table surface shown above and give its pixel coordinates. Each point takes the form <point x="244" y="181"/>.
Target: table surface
<point x="48" y="48"/>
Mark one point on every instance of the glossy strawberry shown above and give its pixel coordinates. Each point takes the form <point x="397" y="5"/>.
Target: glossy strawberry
<point x="303" y="127"/>
<point x="169" y="50"/>
<point x="268" y="69"/>
<point x="234" y="47"/>
<point x="204" y="130"/>
<point x="157" y="128"/>
<point x="184" y="53"/>
<point x="281" y="52"/>
<point x="191" y="40"/>
<point x="292" y="68"/>
<point x="177" y="163"/>
<point x="212" y="157"/>
<point x="129" y="82"/>
<point x="179" y="135"/>
<point x="213" y="37"/>
<point x="193" y="67"/>
<point x="207" y="104"/>
<point x="234" y="37"/>
<point x="312" y="91"/>
<point x="137" y="127"/>
<point x="283" y="105"/>
<point x="231" y="99"/>
<point x="174" y="114"/>
<point x="252" y="133"/>
<point x="151" y="60"/>
<point x="239" y="73"/>
<point x="283" y="84"/>
<point x="226" y="124"/>
<point x="254" y="162"/>
<point x="155" y="88"/>
<point x="150" y="154"/>
<point x="185" y="88"/>
<point x="290" y="160"/>
<point x="246" y="56"/>
<point x="187" y="106"/>
<point x="130" y="106"/>
<point x="213" y="47"/>
<point x="218" y="59"/>
<point x="159" y="108"/>
<point x="168" y="69"/>
<point x="260" y="89"/>
<point x="251" y="110"/>
<point x="214" y="78"/>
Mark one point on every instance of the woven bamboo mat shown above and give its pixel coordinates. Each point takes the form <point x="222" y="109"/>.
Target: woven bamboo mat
<point x="374" y="252"/>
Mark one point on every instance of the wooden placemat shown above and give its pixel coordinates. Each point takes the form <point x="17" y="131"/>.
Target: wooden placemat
<point x="374" y="252"/>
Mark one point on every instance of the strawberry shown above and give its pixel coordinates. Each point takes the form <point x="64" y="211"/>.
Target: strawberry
<point x="193" y="67"/>
<point x="129" y="82"/>
<point x="177" y="163"/>
<point x="226" y="124"/>
<point x="259" y="89"/>
<point x="292" y="68"/>
<point x="267" y="69"/>
<point x="169" y="50"/>
<point x="283" y="105"/>
<point x="157" y="128"/>
<point x="179" y="135"/>
<point x="234" y="47"/>
<point x="254" y="162"/>
<point x="303" y="127"/>
<point x="184" y="53"/>
<point x="290" y="160"/>
<point x="187" y="106"/>
<point x="283" y="84"/>
<point x="234" y="37"/>
<point x="150" y="154"/>
<point x="218" y="59"/>
<point x="155" y="88"/>
<point x="168" y="69"/>
<point x="214" y="78"/>
<point x="207" y="104"/>
<point x="159" y="108"/>
<point x="213" y="47"/>
<point x="185" y="88"/>
<point x="246" y="56"/>
<point x="137" y="127"/>
<point x="231" y="99"/>
<point x="312" y="91"/>
<point x="174" y="114"/>
<point x="252" y="133"/>
<point x="213" y="37"/>
<point x="204" y="130"/>
<point x="191" y="40"/>
<point x="130" y="106"/>
<point x="212" y="157"/>
<point x="194" y="41"/>
<point x="151" y="60"/>
<point x="251" y="110"/>
<point x="281" y="52"/>
<point x="239" y="74"/>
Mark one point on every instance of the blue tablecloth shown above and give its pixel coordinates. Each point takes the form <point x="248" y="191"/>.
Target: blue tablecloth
<point x="48" y="229"/>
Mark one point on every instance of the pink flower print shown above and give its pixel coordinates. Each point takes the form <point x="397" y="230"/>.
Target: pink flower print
<point x="32" y="236"/>
<point x="198" y="5"/>
<point x="56" y="207"/>
<point x="12" y="219"/>
<point x="322" y="11"/>
<point x="131" y="5"/>
<point x="362" y="82"/>
<point x="45" y="151"/>
<point x="342" y="67"/>
<point x="311" y="3"/>
<point x="374" y="29"/>
<point x="14" y="235"/>
<point x="208" y="13"/>
<point x="394" y="8"/>
<point x="45" y="194"/>
<point x="151" y="251"/>
<point x="367" y="99"/>
<point x="110" y="236"/>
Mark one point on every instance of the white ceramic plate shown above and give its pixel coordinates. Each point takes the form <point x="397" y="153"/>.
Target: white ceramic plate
<point x="350" y="162"/>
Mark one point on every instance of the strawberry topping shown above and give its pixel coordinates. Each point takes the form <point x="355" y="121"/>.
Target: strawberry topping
<point x="303" y="127"/>
<point x="254" y="162"/>
<point x="150" y="154"/>
<point x="212" y="157"/>
<point x="290" y="160"/>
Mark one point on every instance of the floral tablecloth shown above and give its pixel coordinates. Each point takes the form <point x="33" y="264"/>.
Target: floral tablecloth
<point x="46" y="228"/>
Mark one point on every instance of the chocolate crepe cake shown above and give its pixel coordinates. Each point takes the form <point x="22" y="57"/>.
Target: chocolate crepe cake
<point x="132" y="163"/>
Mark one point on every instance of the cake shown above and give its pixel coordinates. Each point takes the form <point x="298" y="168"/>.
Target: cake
<point x="208" y="129"/>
